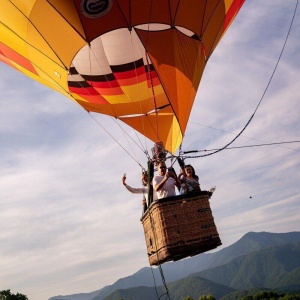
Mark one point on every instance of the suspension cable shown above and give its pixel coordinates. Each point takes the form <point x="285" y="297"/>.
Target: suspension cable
<point x="247" y="146"/>
<point x="126" y="133"/>
<point x="113" y="138"/>
<point x="159" y="265"/>
<point x="264" y="93"/>
<point x="244" y="136"/>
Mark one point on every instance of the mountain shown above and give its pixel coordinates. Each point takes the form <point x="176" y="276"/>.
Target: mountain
<point x="274" y="267"/>
<point x="290" y="281"/>
<point x="173" y="271"/>
<point x="250" y="242"/>
<point x="81" y="296"/>
<point x="141" y="292"/>
<point x="189" y="286"/>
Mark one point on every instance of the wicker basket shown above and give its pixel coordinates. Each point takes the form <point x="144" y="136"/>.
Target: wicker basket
<point x="178" y="227"/>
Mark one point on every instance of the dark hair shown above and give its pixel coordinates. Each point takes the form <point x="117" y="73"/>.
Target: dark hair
<point x="144" y="178"/>
<point x="193" y="171"/>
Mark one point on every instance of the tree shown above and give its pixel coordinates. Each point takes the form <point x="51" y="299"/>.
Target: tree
<point x="290" y="297"/>
<point x="188" y="298"/>
<point x="272" y="295"/>
<point x="207" y="297"/>
<point x="7" y="295"/>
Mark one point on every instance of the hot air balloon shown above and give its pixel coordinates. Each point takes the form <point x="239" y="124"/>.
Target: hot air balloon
<point x="140" y="61"/>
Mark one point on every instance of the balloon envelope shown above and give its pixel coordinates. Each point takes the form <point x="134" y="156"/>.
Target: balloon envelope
<point x="140" y="61"/>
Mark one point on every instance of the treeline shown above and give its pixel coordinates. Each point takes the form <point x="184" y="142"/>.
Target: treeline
<point x="7" y="295"/>
<point x="203" y="297"/>
<point x="262" y="295"/>
<point x="273" y="295"/>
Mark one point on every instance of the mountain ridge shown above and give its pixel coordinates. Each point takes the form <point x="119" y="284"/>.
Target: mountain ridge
<point x="276" y="267"/>
<point x="263" y="268"/>
<point x="173" y="271"/>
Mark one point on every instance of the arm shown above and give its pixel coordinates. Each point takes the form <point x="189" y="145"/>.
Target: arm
<point x="142" y="190"/>
<point x="158" y="185"/>
<point x="177" y="183"/>
<point x="181" y="176"/>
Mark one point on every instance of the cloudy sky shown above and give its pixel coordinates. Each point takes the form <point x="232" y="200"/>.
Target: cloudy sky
<point x="67" y="225"/>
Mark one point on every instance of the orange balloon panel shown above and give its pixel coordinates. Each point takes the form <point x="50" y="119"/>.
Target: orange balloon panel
<point x="141" y="63"/>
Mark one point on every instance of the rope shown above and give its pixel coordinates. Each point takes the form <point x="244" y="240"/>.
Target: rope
<point x="244" y="136"/>
<point x="159" y="265"/>
<point x="125" y="133"/>
<point x="249" y="146"/>
<point x="154" y="283"/>
<point x="114" y="138"/>
<point x="275" y="68"/>
<point x="287" y="36"/>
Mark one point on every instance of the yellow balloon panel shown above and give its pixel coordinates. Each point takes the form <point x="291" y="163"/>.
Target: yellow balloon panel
<point x="161" y="127"/>
<point x="13" y="19"/>
<point x="53" y="34"/>
<point x="24" y="7"/>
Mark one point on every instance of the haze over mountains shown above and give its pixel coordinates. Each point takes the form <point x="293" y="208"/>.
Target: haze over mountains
<point x="270" y="260"/>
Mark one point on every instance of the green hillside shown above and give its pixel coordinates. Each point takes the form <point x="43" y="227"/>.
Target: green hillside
<point x="142" y="292"/>
<point x="276" y="267"/>
<point x="290" y="280"/>
<point x="189" y="286"/>
<point x="195" y="287"/>
<point x="270" y="268"/>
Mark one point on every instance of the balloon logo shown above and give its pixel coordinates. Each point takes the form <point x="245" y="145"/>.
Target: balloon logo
<point x="93" y="9"/>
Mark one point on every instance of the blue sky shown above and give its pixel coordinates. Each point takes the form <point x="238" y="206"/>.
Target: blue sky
<point x="69" y="226"/>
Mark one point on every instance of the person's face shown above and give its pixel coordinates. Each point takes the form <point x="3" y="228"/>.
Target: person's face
<point x="144" y="178"/>
<point x="162" y="169"/>
<point x="189" y="171"/>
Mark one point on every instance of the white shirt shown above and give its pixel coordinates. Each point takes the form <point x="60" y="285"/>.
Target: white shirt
<point x="168" y="189"/>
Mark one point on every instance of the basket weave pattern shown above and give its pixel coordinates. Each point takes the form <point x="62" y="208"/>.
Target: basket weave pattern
<point x="178" y="227"/>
